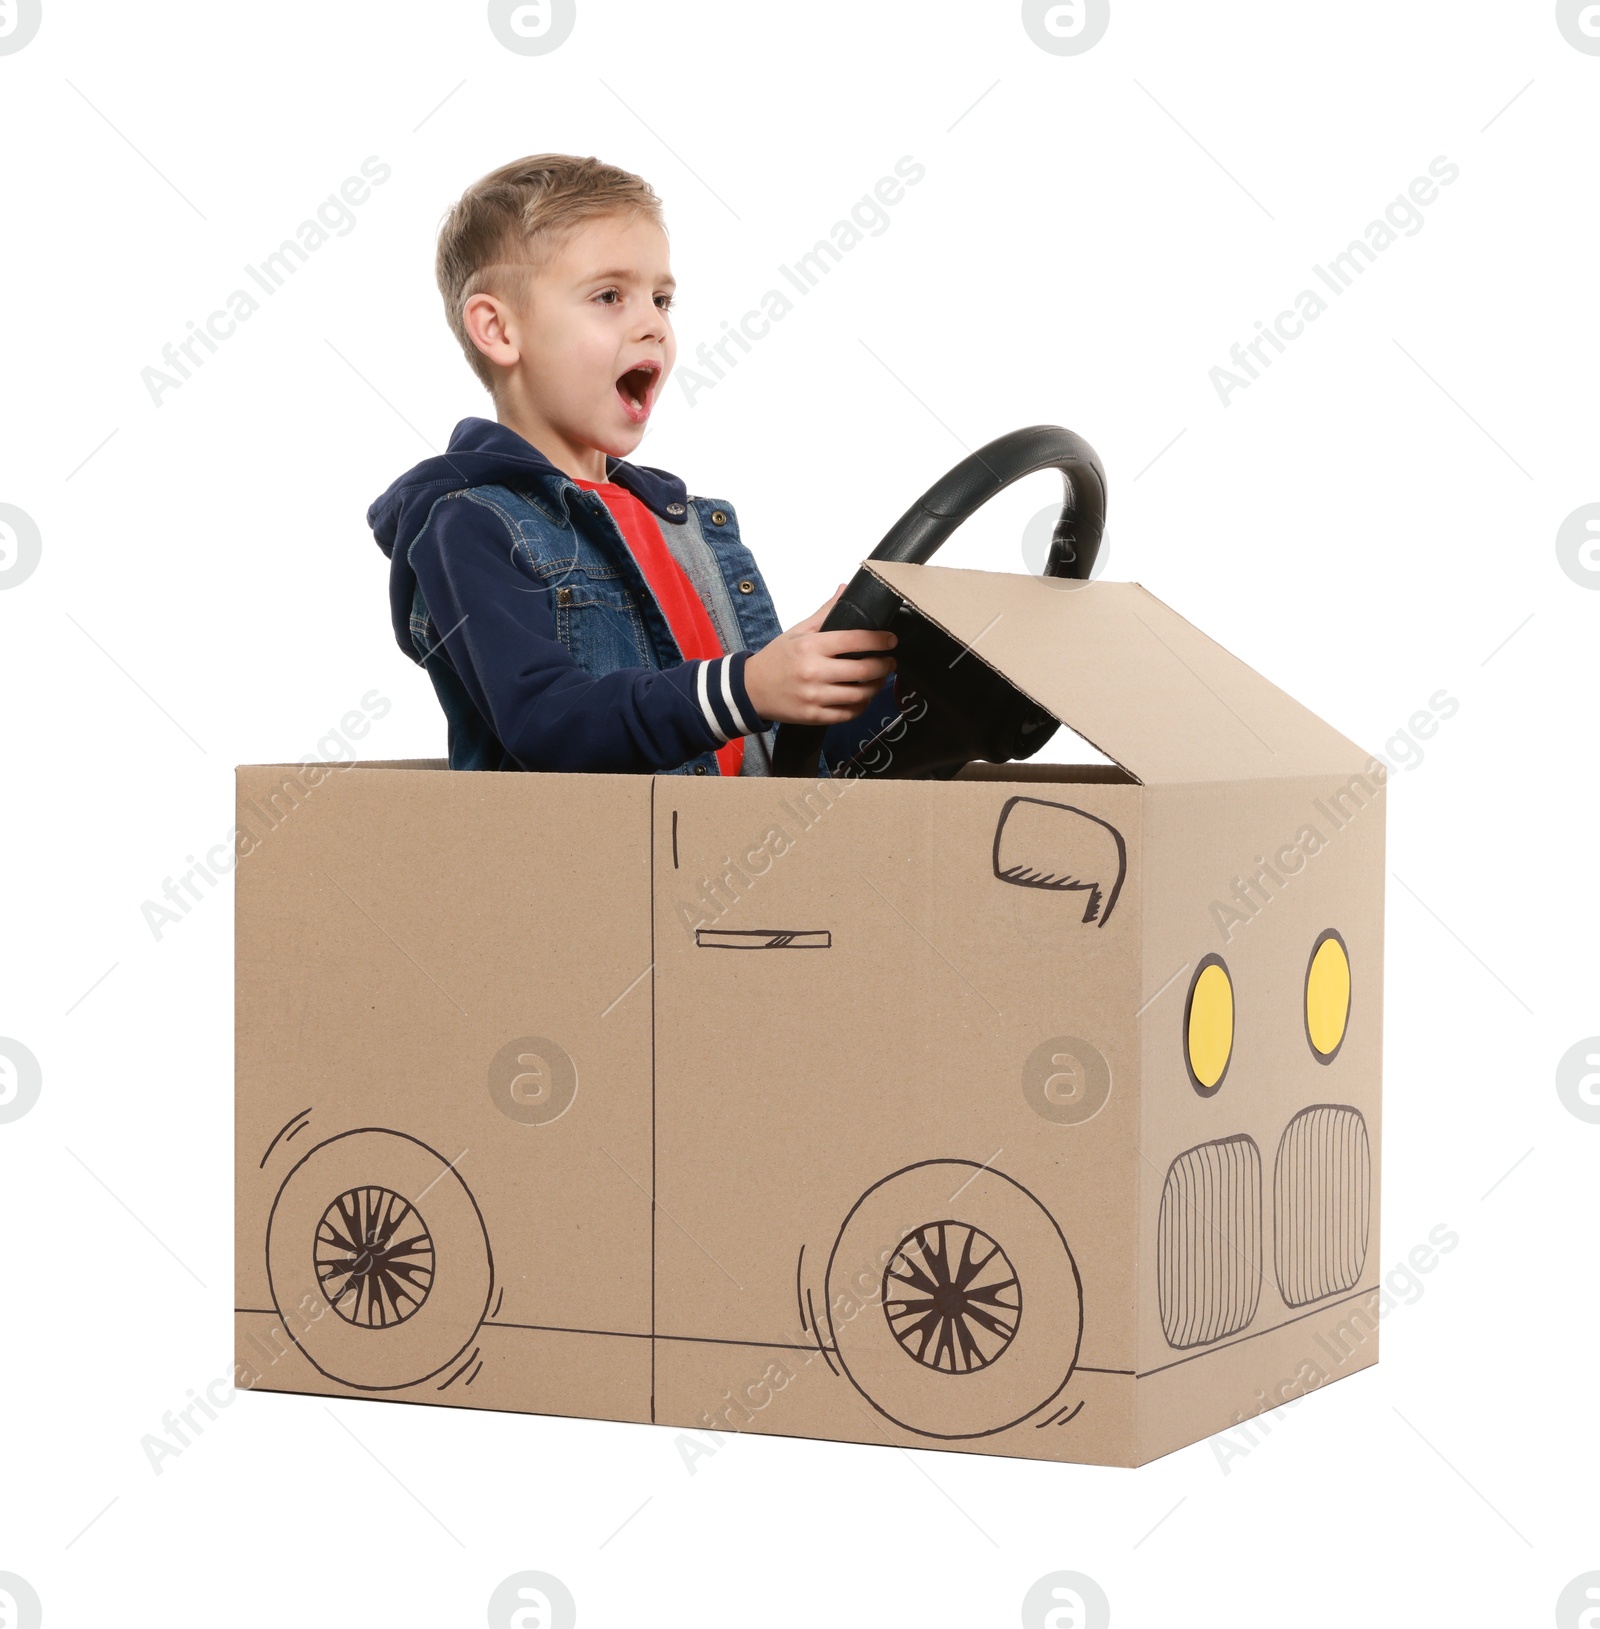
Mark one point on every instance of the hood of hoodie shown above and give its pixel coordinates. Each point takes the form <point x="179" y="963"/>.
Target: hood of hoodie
<point x="485" y="453"/>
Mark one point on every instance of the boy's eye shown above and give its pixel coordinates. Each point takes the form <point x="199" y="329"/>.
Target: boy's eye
<point x="611" y="295"/>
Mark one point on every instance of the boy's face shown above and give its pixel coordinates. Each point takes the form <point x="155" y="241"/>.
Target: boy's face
<point x="594" y="342"/>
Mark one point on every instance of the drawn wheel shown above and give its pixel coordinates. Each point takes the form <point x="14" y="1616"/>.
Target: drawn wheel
<point x="953" y="1302"/>
<point x="951" y="1297"/>
<point x="374" y="1257"/>
<point x="379" y="1263"/>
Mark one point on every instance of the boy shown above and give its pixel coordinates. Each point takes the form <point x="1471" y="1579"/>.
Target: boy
<point x="575" y="611"/>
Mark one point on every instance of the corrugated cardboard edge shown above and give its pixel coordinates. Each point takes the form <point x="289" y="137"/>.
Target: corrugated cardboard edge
<point x="1337" y="761"/>
<point x="1006" y="676"/>
<point x="1367" y="757"/>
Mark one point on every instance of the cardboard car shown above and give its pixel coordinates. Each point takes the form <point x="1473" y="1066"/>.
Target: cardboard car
<point x="1031" y="1111"/>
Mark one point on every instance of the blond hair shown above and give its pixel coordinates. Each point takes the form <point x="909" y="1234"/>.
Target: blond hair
<point x="512" y="222"/>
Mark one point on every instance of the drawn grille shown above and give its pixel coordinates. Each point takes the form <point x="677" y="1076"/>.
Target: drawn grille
<point x="1321" y="1193"/>
<point x="1209" y="1245"/>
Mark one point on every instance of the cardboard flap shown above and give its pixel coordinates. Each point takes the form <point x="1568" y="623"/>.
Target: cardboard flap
<point x="1129" y="674"/>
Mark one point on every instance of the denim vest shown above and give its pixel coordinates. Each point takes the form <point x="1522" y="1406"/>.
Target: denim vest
<point x="606" y="615"/>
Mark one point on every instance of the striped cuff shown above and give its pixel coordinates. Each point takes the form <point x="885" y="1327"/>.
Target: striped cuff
<point x="719" y="688"/>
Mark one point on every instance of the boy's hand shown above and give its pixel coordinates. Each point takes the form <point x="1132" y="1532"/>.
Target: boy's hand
<point x="804" y="676"/>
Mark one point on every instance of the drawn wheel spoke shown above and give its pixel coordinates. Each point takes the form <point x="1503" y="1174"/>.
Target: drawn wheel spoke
<point x="964" y="1302"/>
<point x="374" y="1257"/>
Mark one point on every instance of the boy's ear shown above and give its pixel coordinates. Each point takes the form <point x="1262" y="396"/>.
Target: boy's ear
<point x="490" y="325"/>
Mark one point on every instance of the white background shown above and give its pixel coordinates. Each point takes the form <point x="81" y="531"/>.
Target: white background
<point x="1373" y="520"/>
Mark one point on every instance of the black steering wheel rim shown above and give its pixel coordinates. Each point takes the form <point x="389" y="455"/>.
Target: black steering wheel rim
<point x="868" y="602"/>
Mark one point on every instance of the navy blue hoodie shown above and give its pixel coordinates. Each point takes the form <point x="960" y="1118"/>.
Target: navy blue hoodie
<point x="514" y="695"/>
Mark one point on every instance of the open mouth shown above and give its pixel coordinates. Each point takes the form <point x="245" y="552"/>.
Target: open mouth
<point x="636" y="390"/>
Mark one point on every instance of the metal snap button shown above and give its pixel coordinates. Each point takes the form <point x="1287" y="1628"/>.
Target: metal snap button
<point x="699" y="769"/>
<point x="563" y="596"/>
<point x="746" y="586"/>
<point x="674" y="508"/>
<point x="718" y="518"/>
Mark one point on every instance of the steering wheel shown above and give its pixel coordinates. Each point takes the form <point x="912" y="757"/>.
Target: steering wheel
<point x="970" y="711"/>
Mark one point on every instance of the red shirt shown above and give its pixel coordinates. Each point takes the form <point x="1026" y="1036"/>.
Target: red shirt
<point x="686" y="615"/>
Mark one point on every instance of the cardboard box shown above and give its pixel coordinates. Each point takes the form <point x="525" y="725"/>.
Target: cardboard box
<point x="1033" y="1112"/>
